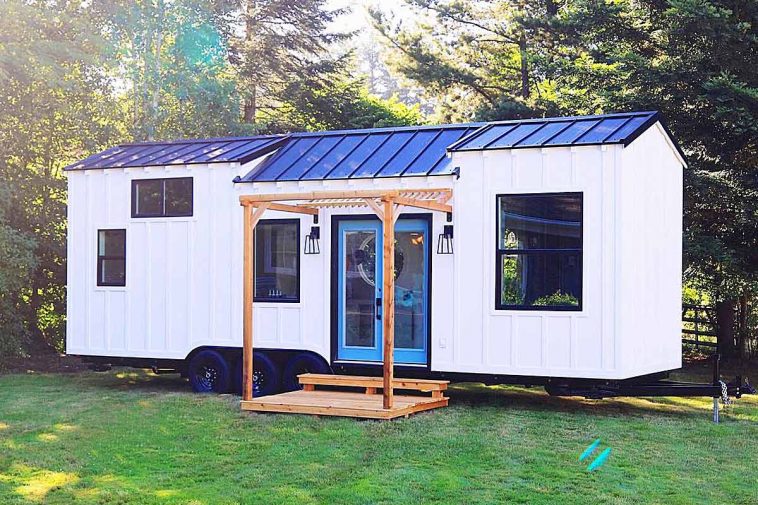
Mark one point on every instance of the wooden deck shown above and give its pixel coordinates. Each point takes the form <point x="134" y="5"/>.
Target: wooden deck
<point x="365" y="404"/>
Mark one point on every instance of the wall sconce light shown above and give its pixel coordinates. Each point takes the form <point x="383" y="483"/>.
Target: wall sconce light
<point x="445" y="240"/>
<point x="312" y="239"/>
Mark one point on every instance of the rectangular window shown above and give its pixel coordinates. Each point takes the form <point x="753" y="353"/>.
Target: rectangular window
<point x="162" y="197"/>
<point x="539" y="251"/>
<point x="111" y="257"/>
<point x="277" y="261"/>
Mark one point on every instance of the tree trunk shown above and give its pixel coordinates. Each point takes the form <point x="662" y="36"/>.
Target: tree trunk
<point x="725" y="329"/>
<point x="524" y="66"/>
<point x="250" y="107"/>
<point x="743" y="337"/>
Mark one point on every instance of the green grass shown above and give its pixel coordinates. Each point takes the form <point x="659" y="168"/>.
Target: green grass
<point x="136" y="438"/>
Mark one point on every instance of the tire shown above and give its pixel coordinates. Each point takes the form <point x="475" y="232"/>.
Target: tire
<point x="266" y="376"/>
<point x="209" y="372"/>
<point x="302" y="363"/>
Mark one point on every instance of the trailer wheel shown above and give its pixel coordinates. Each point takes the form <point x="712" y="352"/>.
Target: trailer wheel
<point x="301" y="363"/>
<point x="265" y="375"/>
<point x="209" y="372"/>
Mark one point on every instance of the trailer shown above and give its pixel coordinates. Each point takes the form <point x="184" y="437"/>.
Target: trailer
<point x="543" y="251"/>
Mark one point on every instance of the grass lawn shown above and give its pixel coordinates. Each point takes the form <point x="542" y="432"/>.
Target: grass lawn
<point x="129" y="437"/>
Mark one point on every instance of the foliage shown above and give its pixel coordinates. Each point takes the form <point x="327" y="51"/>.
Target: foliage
<point x="343" y="104"/>
<point x="54" y="109"/>
<point x="134" y="438"/>
<point x="557" y="299"/>
<point x="173" y="60"/>
<point x="282" y="41"/>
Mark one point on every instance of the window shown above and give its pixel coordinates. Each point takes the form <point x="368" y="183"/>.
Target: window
<point x="111" y="257"/>
<point x="277" y="261"/>
<point x="162" y="197"/>
<point x="539" y="251"/>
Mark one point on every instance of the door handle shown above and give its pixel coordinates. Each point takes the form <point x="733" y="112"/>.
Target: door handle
<point x="378" y="309"/>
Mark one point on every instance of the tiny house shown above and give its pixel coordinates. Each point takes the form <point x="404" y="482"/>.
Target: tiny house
<point x="525" y="251"/>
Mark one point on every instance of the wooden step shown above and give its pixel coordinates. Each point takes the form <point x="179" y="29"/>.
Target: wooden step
<point x="370" y="383"/>
<point x="340" y="403"/>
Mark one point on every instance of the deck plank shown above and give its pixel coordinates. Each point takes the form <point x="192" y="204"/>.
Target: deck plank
<point x="345" y="404"/>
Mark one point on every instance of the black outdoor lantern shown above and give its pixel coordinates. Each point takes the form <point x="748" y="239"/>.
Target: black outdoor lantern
<point x="445" y="240"/>
<point x="312" y="239"/>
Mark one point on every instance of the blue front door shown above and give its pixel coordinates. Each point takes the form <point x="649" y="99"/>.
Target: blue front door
<point x="359" y="284"/>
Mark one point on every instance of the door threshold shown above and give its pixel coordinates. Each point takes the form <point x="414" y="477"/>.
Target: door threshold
<point x="377" y="363"/>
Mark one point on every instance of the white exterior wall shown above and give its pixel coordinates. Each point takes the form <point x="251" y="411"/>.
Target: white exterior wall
<point x="181" y="273"/>
<point x="534" y="342"/>
<point x="184" y="286"/>
<point x="650" y="255"/>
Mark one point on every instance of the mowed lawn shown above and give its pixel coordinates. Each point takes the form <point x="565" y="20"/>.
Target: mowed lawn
<point x="127" y="437"/>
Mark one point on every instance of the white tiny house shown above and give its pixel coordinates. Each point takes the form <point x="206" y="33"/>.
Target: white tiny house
<point x="560" y="258"/>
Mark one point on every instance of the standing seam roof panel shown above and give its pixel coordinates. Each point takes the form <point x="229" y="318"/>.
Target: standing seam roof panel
<point x="362" y="152"/>
<point x="313" y="156"/>
<point x="342" y="150"/>
<point x="411" y="151"/>
<point x="435" y="152"/>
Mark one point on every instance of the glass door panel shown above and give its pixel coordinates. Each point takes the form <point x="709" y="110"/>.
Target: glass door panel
<point x="359" y="266"/>
<point x="359" y="314"/>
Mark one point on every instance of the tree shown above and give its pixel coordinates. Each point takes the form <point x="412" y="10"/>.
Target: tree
<point x="282" y="41"/>
<point x="479" y="58"/>
<point x="346" y="104"/>
<point x="55" y="108"/>
<point x="173" y="58"/>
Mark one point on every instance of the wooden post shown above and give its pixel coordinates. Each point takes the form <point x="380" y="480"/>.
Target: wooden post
<point x="248" y="286"/>
<point x="388" y="292"/>
<point x="247" y="305"/>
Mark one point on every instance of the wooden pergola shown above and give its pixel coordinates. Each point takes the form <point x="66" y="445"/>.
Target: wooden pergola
<point x="385" y="204"/>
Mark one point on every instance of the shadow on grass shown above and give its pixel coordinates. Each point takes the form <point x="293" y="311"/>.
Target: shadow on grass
<point x="536" y="399"/>
<point x="470" y="395"/>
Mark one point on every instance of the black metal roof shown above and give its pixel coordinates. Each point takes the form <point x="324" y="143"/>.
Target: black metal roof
<point x="182" y="152"/>
<point x="560" y="131"/>
<point x="376" y="152"/>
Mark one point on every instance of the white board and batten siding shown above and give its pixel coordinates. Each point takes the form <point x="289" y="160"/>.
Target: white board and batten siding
<point x="182" y="273"/>
<point x="629" y="324"/>
<point x="184" y="286"/>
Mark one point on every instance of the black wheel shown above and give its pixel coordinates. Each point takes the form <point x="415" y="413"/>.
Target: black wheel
<point x="301" y="363"/>
<point x="265" y="375"/>
<point x="209" y="372"/>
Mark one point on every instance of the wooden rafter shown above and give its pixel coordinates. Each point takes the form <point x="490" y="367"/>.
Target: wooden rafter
<point x="297" y="209"/>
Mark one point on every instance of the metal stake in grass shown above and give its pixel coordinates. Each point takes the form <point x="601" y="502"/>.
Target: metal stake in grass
<point x="599" y="460"/>
<point x="589" y="450"/>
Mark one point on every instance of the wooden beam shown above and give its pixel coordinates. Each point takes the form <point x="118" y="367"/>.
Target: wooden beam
<point x="396" y="213"/>
<point x="247" y="304"/>
<point x="375" y="207"/>
<point x="388" y="293"/>
<point x="325" y="195"/>
<point x="424" y="204"/>
<point x="297" y="209"/>
<point x="258" y="214"/>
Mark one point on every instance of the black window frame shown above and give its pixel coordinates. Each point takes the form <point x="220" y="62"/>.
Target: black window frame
<point x="102" y="258"/>
<point x="163" y="214"/>
<point x="500" y="252"/>
<point x="266" y="299"/>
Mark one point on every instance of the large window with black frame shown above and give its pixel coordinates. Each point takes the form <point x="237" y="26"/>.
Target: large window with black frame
<point x="111" y="257"/>
<point x="162" y="197"/>
<point x="277" y="261"/>
<point x="539" y="251"/>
